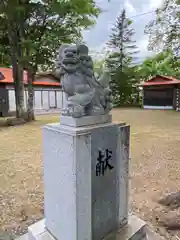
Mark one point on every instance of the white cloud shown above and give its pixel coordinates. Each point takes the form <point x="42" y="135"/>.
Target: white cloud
<point x="155" y="4"/>
<point x="98" y="35"/>
<point x="110" y="25"/>
<point x="151" y="5"/>
<point x="100" y="51"/>
<point x="129" y="8"/>
<point x="142" y="44"/>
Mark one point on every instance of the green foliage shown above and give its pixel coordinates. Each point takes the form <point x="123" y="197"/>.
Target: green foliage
<point x="120" y="61"/>
<point x="44" y="25"/>
<point x="164" y="32"/>
<point x="32" y="30"/>
<point x="164" y="63"/>
<point x="98" y="66"/>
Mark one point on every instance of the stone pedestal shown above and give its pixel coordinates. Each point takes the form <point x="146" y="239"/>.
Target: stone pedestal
<point x="85" y="179"/>
<point x="86" y="164"/>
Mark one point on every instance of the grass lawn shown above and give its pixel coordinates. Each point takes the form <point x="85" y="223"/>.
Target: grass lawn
<point x="154" y="169"/>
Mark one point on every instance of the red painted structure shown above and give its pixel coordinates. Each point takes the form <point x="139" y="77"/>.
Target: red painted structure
<point x="47" y="92"/>
<point x="161" y="92"/>
<point x="7" y="77"/>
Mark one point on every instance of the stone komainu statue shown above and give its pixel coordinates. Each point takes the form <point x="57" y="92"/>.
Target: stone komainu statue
<point x="85" y="95"/>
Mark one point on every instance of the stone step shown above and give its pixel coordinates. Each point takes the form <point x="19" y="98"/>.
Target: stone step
<point x="151" y="235"/>
<point x="136" y="229"/>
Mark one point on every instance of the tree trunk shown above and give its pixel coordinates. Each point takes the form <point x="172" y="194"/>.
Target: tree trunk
<point x="17" y="72"/>
<point x="30" y="108"/>
<point x="19" y="90"/>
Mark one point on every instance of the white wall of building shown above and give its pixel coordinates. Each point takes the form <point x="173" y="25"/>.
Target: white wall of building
<point x="63" y="99"/>
<point x="59" y="99"/>
<point x="52" y="99"/>
<point x="158" y="107"/>
<point x="37" y="100"/>
<point x="12" y="101"/>
<point x="43" y="99"/>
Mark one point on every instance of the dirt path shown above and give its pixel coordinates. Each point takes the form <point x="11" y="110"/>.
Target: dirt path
<point x="155" y="168"/>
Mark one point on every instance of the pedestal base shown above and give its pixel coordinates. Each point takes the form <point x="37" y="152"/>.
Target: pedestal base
<point x="85" y="121"/>
<point x="85" y="180"/>
<point x="134" y="230"/>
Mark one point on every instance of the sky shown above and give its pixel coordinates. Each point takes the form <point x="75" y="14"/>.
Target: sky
<point x="97" y="36"/>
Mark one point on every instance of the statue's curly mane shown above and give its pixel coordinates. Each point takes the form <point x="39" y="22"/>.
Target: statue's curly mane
<point x="85" y="95"/>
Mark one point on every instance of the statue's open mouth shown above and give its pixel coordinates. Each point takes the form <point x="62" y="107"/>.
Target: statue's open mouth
<point x="69" y="64"/>
<point x="71" y="60"/>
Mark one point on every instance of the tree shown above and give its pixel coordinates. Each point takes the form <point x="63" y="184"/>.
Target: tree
<point x="121" y="58"/>
<point x="164" y="31"/>
<point x="11" y="33"/>
<point x="41" y="27"/>
<point x="98" y="66"/>
<point x="5" y="59"/>
<point x="161" y="64"/>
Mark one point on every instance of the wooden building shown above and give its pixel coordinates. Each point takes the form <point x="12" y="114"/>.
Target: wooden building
<point x="48" y="94"/>
<point x="161" y="92"/>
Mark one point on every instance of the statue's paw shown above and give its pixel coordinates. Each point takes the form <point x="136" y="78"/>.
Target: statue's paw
<point x="65" y="112"/>
<point x="78" y="111"/>
<point x="82" y="99"/>
<point x="97" y="110"/>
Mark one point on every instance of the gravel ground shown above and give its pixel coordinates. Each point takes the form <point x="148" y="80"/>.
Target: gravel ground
<point x="154" y="169"/>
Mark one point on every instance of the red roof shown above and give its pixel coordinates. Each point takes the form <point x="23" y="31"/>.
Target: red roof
<point x="8" y="78"/>
<point x="161" y="80"/>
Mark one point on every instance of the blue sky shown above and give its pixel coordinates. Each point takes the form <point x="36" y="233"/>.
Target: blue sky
<point x="97" y="36"/>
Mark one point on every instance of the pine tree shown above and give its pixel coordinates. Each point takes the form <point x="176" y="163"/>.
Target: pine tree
<point x="120" y="60"/>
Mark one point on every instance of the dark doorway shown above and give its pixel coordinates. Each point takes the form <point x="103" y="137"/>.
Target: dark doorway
<point x="158" y="97"/>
